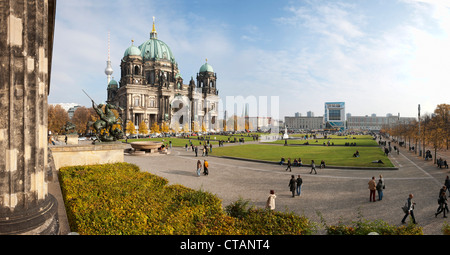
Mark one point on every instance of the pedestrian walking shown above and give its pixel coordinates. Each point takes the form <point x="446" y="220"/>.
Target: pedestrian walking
<point x="270" y="204"/>
<point x="292" y="185"/>
<point x="196" y="151"/>
<point x="289" y="165"/>
<point x="372" y="189"/>
<point x="299" y="185"/>
<point x="313" y="167"/>
<point x="380" y="189"/>
<point x="205" y="167"/>
<point x="447" y="184"/>
<point x="443" y="207"/>
<point x="199" y="167"/>
<point x="408" y="209"/>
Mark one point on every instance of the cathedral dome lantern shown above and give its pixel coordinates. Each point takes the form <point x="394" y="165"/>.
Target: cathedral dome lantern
<point x="155" y="49"/>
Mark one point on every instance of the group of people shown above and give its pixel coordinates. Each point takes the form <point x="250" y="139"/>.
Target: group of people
<point x="295" y="186"/>
<point x="376" y="187"/>
<point x="299" y="164"/>
<point x="205" y="167"/>
<point x="441" y="163"/>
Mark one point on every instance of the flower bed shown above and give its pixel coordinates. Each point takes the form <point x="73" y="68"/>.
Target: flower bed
<point x="115" y="199"/>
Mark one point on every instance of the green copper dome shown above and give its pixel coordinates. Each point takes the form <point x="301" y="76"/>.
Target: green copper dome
<point x="155" y="49"/>
<point x="206" y="68"/>
<point x="132" y="51"/>
<point x="113" y="84"/>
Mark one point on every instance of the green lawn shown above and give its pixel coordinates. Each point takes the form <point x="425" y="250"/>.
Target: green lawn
<point x="336" y="141"/>
<point x="333" y="155"/>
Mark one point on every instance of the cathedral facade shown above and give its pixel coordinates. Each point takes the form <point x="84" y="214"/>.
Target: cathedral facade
<point x="151" y="89"/>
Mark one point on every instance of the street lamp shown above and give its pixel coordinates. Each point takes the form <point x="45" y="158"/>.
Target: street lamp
<point x="420" y="152"/>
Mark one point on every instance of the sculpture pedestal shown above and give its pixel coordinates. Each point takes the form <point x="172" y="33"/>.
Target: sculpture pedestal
<point x="87" y="154"/>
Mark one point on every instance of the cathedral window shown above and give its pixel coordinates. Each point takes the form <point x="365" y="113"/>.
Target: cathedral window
<point x="136" y="70"/>
<point x="136" y="102"/>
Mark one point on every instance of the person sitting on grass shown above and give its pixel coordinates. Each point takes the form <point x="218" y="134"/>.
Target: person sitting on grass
<point x="281" y="161"/>
<point x="356" y="154"/>
<point x="378" y="161"/>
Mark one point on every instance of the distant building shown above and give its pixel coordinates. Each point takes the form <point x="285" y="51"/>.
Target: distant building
<point x="334" y="116"/>
<point x="304" y="123"/>
<point x="72" y="110"/>
<point x="375" y="123"/>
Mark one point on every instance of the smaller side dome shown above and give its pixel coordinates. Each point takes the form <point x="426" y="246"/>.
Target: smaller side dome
<point x="132" y="51"/>
<point x="206" y="68"/>
<point x="113" y="84"/>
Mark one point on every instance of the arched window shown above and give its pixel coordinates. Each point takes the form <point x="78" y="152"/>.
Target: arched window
<point x="136" y="70"/>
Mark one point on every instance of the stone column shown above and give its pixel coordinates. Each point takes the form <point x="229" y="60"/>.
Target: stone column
<point x="26" y="43"/>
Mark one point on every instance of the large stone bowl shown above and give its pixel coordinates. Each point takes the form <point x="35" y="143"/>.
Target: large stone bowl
<point x="149" y="146"/>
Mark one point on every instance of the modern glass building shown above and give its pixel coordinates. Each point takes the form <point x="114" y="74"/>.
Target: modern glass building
<point x="334" y="116"/>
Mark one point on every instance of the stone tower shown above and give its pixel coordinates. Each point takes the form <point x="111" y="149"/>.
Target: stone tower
<point x="26" y="43"/>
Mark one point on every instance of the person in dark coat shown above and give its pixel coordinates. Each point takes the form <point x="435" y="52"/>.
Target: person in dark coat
<point x="292" y="185"/>
<point x="443" y="207"/>
<point x="289" y="165"/>
<point x="299" y="185"/>
<point x="447" y="183"/>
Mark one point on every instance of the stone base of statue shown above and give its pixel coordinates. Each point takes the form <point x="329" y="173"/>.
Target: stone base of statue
<point x="40" y="219"/>
<point x="87" y="154"/>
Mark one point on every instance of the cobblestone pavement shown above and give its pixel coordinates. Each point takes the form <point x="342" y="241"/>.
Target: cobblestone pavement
<point x="337" y="194"/>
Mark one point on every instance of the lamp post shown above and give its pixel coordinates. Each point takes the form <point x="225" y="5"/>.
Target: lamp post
<point x="420" y="152"/>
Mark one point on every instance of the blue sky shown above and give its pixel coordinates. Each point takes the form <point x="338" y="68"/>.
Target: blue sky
<point x="377" y="56"/>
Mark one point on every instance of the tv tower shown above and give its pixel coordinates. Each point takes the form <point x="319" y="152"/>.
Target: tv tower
<point x="109" y="71"/>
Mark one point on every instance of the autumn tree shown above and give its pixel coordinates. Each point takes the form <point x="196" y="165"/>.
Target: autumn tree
<point x="143" y="129"/>
<point x="195" y="126"/>
<point x="82" y="116"/>
<point x="164" y="127"/>
<point x="442" y="116"/>
<point x="57" y="118"/>
<point x="185" y="128"/>
<point x="154" y="128"/>
<point x="130" y="128"/>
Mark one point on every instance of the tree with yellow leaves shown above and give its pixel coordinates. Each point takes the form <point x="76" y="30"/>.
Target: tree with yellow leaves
<point x="164" y="127"/>
<point x="143" y="129"/>
<point x="130" y="128"/>
<point x="154" y="128"/>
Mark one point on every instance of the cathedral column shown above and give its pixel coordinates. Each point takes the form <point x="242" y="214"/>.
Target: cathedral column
<point x="26" y="43"/>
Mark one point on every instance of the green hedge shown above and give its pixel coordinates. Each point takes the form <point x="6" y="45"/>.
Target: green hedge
<point x="364" y="227"/>
<point x="114" y="199"/>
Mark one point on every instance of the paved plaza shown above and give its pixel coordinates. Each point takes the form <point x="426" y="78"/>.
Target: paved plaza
<point x="338" y="194"/>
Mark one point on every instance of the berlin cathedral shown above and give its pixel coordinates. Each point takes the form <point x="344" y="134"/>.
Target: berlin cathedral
<point x="151" y="89"/>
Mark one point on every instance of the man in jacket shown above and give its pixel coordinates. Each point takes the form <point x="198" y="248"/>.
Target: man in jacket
<point x="409" y="209"/>
<point x="292" y="185"/>
<point x="299" y="185"/>
<point x="372" y="188"/>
